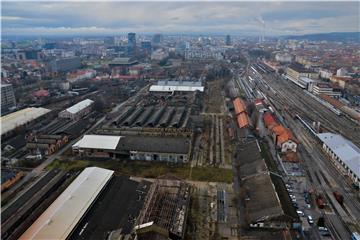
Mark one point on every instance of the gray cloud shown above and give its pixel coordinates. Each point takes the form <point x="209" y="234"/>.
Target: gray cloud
<point x="42" y="18"/>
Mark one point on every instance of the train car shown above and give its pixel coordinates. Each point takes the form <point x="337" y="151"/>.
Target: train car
<point x="336" y="111"/>
<point x="351" y="112"/>
<point x="355" y="236"/>
<point x="255" y="71"/>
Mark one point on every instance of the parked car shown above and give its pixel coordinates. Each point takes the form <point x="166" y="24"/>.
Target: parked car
<point x="300" y="213"/>
<point x="310" y="219"/>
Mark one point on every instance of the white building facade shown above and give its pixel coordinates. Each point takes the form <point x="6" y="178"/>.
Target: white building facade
<point x="344" y="154"/>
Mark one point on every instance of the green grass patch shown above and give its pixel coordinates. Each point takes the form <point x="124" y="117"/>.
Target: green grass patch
<point x="71" y="165"/>
<point x="149" y="169"/>
<point x="211" y="174"/>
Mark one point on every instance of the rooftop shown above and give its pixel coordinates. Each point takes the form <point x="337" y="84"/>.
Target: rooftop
<point x="249" y="159"/>
<point x="300" y="68"/>
<point x="123" y="61"/>
<point x="344" y="149"/>
<point x="21" y="117"/>
<point x="80" y="106"/>
<point x="59" y="220"/>
<point x="307" y="80"/>
<point x="239" y="106"/>
<point x="179" y="145"/>
<point x="242" y="120"/>
<point x="98" y="142"/>
<point x="170" y="86"/>
<point x="119" y="203"/>
<point x="263" y="202"/>
<point x="323" y="85"/>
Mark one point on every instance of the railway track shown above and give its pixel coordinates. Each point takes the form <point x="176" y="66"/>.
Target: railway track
<point x="290" y="95"/>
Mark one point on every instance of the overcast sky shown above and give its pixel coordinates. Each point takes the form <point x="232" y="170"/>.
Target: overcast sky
<point x="111" y="18"/>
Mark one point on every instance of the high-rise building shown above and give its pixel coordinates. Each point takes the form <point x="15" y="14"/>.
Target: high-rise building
<point x="7" y="98"/>
<point x="157" y="39"/>
<point x="228" y="40"/>
<point x="131" y="43"/>
<point x="146" y="46"/>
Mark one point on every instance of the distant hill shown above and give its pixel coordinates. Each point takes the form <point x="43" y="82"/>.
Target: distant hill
<point x="335" y="36"/>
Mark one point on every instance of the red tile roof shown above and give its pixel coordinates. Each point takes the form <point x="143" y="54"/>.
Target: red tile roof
<point x="242" y="120"/>
<point x="239" y="106"/>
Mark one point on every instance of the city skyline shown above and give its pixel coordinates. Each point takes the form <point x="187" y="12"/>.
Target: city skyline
<point x="111" y="18"/>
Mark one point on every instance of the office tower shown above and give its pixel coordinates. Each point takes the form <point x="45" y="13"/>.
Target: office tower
<point x="7" y="97"/>
<point x="228" y="40"/>
<point x="131" y="43"/>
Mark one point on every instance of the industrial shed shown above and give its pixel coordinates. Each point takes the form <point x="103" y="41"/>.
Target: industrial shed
<point x="344" y="153"/>
<point x="97" y="145"/>
<point x="21" y="118"/>
<point x="150" y="148"/>
<point x="170" y="149"/>
<point x="78" y="110"/>
<point x="60" y="219"/>
<point x="264" y="194"/>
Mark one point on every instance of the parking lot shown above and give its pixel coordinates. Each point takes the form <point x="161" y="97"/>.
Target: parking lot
<point x="302" y="199"/>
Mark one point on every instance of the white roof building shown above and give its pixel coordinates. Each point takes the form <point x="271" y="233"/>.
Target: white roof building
<point x="60" y="219"/>
<point x="79" y="106"/>
<point x="345" y="150"/>
<point x="105" y="142"/>
<point x="177" y="86"/>
<point x="11" y="121"/>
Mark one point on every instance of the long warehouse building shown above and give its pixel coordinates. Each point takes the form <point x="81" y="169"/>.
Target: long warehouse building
<point x="64" y="214"/>
<point x="344" y="153"/>
<point x="78" y="110"/>
<point x="23" y="117"/>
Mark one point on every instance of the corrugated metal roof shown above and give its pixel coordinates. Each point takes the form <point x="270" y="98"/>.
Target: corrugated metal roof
<point x="98" y="142"/>
<point x="344" y="149"/>
<point x="21" y="117"/>
<point x="63" y="215"/>
<point x="80" y="106"/>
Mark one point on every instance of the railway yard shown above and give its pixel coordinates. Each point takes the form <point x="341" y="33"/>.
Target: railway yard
<point x="217" y="141"/>
<point x="300" y="111"/>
